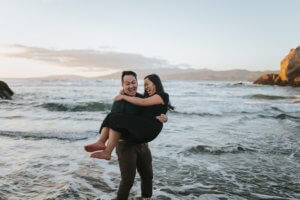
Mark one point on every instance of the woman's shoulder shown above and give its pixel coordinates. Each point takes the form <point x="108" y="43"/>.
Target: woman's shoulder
<point x="164" y="96"/>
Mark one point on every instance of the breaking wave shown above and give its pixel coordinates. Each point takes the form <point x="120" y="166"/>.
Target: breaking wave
<point x="195" y="113"/>
<point x="218" y="150"/>
<point x="296" y="100"/>
<point x="279" y="116"/>
<point x="80" y="107"/>
<point x="12" y="117"/>
<point x="268" y="97"/>
<point x="44" y="135"/>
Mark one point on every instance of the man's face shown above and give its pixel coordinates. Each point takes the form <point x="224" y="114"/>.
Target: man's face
<point x="129" y="85"/>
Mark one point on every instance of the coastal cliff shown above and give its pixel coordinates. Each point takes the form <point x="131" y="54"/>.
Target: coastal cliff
<point x="289" y="74"/>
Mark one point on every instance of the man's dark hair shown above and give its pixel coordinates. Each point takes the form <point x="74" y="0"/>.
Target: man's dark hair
<point x="126" y="73"/>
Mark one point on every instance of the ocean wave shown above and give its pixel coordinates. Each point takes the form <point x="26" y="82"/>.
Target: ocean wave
<point x="11" y="117"/>
<point x="238" y="84"/>
<point x="5" y="101"/>
<point x="296" y="100"/>
<point x="291" y="152"/>
<point x="44" y="135"/>
<point x="218" y="150"/>
<point x="276" y="109"/>
<point x="269" y="97"/>
<point x="279" y="116"/>
<point x="213" y="196"/>
<point x="195" y="113"/>
<point x="80" y="107"/>
<point x="11" y="103"/>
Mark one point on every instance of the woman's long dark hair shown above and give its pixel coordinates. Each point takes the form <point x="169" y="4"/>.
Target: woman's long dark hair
<point x="154" y="78"/>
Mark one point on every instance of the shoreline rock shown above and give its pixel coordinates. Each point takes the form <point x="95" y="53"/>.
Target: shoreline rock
<point x="289" y="74"/>
<point x="5" y="91"/>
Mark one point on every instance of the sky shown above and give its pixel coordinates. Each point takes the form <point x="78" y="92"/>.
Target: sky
<point x="98" y="37"/>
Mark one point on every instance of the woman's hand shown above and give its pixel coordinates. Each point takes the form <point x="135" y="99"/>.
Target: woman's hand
<point x="162" y="118"/>
<point x="122" y="91"/>
<point x="119" y="97"/>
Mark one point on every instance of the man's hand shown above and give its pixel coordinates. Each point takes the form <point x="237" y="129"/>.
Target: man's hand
<point x="162" y="118"/>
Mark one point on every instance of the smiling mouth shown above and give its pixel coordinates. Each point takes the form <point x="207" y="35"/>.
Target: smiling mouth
<point x="132" y="90"/>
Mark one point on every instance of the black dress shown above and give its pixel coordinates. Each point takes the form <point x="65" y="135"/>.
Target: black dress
<point x="138" y="128"/>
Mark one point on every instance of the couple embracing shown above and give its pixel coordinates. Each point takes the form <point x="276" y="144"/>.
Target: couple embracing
<point x="134" y="121"/>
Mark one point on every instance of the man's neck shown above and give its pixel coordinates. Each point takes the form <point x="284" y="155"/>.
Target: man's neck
<point x="131" y="95"/>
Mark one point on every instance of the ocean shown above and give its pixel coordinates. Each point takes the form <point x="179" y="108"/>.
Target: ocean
<point x="225" y="140"/>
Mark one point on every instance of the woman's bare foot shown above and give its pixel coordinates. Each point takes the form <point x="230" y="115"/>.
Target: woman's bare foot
<point x="95" y="147"/>
<point x="101" y="155"/>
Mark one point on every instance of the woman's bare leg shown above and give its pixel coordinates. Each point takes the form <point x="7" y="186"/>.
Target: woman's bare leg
<point x="100" y="144"/>
<point x="113" y="140"/>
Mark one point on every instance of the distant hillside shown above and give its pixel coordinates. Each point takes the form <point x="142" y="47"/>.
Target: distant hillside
<point x="57" y="77"/>
<point x="191" y="74"/>
<point x="178" y="74"/>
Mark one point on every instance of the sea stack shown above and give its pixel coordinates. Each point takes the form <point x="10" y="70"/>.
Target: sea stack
<point x="289" y="74"/>
<point x="5" y="91"/>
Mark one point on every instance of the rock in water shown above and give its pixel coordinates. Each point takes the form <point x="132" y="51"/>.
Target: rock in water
<point x="289" y="73"/>
<point x="266" y="79"/>
<point x="5" y="91"/>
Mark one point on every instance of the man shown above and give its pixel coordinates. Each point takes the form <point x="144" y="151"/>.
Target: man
<point x="132" y="156"/>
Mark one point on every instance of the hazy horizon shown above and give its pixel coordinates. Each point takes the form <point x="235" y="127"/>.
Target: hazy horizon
<point x="173" y="74"/>
<point x="119" y="72"/>
<point x="94" y="38"/>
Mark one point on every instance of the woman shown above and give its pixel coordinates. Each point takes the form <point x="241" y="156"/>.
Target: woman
<point x="138" y="129"/>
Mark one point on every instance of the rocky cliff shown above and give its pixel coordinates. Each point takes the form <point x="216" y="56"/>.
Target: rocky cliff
<point x="289" y="74"/>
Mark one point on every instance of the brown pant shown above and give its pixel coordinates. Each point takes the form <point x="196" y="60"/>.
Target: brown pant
<point x="134" y="157"/>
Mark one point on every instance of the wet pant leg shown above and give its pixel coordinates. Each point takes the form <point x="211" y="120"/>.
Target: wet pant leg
<point x="127" y="158"/>
<point x="144" y="167"/>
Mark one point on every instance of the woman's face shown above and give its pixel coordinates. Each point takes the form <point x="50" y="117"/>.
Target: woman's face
<point x="149" y="87"/>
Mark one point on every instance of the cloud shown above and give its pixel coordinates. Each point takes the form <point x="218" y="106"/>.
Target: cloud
<point x="88" y="59"/>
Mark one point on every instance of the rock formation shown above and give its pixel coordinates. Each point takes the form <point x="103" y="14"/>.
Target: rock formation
<point x="289" y="73"/>
<point x="5" y="91"/>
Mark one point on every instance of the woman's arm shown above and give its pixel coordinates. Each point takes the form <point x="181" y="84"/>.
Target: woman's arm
<point x="150" y="101"/>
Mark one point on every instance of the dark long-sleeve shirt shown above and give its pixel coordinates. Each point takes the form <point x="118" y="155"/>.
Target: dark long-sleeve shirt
<point x="126" y="107"/>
